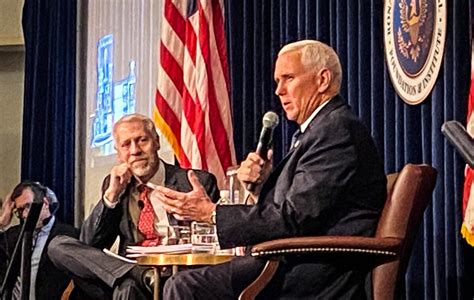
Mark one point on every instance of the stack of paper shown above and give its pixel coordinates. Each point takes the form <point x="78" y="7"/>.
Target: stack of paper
<point x="135" y="251"/>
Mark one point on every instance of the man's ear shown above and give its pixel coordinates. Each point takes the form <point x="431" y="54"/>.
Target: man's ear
<point x="324" y="78"/>
<point x="157" y="141"/>
<point x="45" y="203"/>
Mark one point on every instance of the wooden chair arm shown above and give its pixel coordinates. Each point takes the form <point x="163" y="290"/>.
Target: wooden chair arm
<point x="328" y="244"/>
<point x="383" y="249"/>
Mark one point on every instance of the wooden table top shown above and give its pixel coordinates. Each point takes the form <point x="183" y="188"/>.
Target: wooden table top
<point x="187" y="259"/>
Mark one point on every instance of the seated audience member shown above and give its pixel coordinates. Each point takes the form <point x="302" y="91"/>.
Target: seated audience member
<point x="331" y="182"/>
<point x="123" y="210"/>
<point x="46" y="281"/>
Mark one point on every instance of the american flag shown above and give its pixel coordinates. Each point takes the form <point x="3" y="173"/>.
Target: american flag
<point x="192" y="97"/>
<point x="467" y="227"/>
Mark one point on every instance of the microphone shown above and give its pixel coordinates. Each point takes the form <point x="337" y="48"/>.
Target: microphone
<point x="270" y="121"/>
<point x="460" y="139"/>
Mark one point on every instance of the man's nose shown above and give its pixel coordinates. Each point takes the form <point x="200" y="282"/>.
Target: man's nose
<point x="280" y="89"/>
<point x="135" y="148"/>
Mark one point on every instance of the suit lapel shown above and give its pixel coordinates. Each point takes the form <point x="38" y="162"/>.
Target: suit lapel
<point x="171" y="182"/>
<point x="271" y="181"/>
<point x="269" y="185"/>
<point x="126" y="223"/>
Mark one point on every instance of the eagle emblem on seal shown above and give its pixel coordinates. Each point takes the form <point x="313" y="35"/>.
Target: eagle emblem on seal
<point x="412" y="18"/>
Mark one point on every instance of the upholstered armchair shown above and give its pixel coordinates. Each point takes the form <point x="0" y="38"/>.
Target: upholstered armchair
<point x="408" y="194"/>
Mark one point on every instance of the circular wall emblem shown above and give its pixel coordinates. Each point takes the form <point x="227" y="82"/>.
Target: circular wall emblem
<point x="414" y="36"/>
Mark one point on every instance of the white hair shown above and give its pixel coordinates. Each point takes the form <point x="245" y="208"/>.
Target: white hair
<point x="316" y="55"/>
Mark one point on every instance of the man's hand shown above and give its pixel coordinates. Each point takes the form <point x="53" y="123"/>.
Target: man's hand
<point x="119" y="178"/>
<point x="195" y="205"/>
<point x="255" y="170"/>
<point x="7" y="211"/>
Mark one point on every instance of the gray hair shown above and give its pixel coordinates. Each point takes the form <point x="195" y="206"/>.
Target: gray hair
<point x="147" y="123"/>
<point x="316" y="55"/>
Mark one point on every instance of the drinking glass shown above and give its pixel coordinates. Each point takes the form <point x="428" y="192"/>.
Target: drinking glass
<point x="174" y="234"/>
<point x="203" y="237"/>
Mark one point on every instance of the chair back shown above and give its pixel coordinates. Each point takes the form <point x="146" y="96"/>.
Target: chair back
<point x="408" y="194"/>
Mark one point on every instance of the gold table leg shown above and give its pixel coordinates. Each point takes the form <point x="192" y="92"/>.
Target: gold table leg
<point x="174" y="269"/>
<point x="156" y="287"/>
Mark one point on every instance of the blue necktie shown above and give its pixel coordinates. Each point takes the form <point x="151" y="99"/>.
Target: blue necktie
<point x="294" y="139"/>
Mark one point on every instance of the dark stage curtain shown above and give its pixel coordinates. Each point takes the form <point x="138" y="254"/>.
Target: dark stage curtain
<point x="441" y="265"/>
<point x="49" y="28"/>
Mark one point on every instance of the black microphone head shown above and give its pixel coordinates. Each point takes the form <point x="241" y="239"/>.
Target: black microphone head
<point x="270" y="120"/>
<point x="460" y="139"/>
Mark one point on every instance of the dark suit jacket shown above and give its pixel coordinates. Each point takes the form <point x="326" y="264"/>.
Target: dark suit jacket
<point x="332" y="183"/>
<point x="50" y="282"/>
<point x="103" y="226"/>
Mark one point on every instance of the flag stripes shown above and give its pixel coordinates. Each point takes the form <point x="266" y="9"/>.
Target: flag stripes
<point x="192" y="98"/>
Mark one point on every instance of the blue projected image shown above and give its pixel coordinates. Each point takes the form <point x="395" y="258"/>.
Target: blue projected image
<point x="113" y="99"/>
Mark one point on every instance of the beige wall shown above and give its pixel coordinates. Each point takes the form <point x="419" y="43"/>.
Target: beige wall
<point x="11" y="112"/>
<point x="10" y="22"/>
<point x="11" y="93"/>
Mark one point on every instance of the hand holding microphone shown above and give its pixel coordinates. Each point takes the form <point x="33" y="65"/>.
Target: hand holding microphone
<point x="252" y="169"/>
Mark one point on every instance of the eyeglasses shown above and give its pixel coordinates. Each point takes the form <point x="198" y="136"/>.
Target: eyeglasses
<point x="18" y="211"/>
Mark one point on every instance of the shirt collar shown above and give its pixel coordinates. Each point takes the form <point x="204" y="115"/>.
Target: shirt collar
<point x="305" y="124"/>
<point x="47" y="228"/>
<point x="159" y="177"/>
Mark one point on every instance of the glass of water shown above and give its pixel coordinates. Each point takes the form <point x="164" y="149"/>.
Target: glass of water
<point x="203" y="237"/>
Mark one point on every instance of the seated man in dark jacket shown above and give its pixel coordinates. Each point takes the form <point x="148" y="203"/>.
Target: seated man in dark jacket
<point x="46" y="281"/>
<point x="331" y="182"/>
<point x="126" y="204"/>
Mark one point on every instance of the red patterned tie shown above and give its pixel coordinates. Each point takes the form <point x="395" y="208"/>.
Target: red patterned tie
<point x="146" y="220"/>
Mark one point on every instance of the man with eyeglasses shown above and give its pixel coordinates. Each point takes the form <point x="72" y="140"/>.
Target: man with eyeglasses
<point x="46" y="281"/>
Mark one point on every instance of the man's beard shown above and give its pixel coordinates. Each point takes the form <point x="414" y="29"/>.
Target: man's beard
<point x="141" y="171"/>
<point x="146" y="170"/>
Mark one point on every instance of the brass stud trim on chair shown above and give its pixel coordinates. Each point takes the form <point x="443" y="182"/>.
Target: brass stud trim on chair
<point x="310" y="250"/>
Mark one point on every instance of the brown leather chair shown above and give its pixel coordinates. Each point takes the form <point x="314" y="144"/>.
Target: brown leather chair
<point x="67" y="292"/>
<point x="408" y="194"/>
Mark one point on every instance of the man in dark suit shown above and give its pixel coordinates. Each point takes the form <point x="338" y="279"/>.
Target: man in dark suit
<point x="120" y="212"/>
<point x="331" y="182"/>
<point x="46" y="281"/>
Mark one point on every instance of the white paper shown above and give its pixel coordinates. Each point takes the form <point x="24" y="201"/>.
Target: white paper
<point x="137" y="251"/>
<point x="160" y="249"/>
<point x="109" y="253"/>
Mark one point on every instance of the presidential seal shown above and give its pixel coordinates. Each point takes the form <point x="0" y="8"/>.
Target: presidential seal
<point x="414" y="36"/>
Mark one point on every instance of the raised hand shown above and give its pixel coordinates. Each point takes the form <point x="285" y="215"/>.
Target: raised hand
<point x="256" y="170"/>
<point x="119" y="178"/>
<point x="7" y="211"/>
<point x="194" y="205"/>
